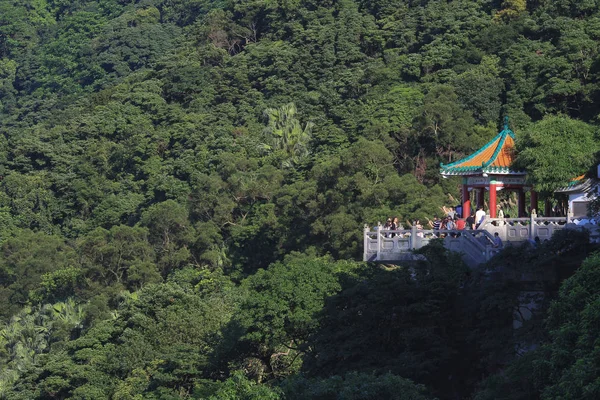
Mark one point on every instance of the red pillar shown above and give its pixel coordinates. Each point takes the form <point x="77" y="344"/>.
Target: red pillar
<point x="493" y="199"/>
<point x="521" y="194"/>
<point x="466" y="201"/>
<point x="533" y="203"/>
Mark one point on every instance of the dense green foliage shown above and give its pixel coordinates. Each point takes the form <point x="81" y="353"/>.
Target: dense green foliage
<point x="183" y="186"/>
<point x="552" y="157"/>
<point x="566" y="364"/>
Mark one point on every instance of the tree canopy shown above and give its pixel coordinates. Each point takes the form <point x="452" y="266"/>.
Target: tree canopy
<point x="184" y="185"/>
<point x="556" y="150"/>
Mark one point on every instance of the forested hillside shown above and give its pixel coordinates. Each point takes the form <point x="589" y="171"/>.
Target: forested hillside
<point x="184" y="184"/>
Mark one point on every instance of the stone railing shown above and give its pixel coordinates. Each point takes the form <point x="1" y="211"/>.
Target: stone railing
<point x="391" y="245"/>
<point x="476" y="245"/>
<point x="385" y="244"/>
<point x="591" y="224"/>
<point x="522" y="229"/>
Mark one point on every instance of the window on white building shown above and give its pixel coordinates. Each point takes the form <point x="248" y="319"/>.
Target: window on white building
<point x="580" y="208"/>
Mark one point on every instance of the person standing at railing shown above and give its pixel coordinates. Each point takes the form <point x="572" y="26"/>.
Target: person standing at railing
<point x="417" y="224"/>
<point x="500" y="215"/>
<point x="395" y="226"/>
<point x="461" y="224"/>
<point x="451" y="213"/>
<point x="470" y="222"/>
<point x="497" y="241"/>
<point x="436" y="224"/>
<point x="479" y="216"/>
<point x="535" y="243"/>
<point x="388" y="226"/>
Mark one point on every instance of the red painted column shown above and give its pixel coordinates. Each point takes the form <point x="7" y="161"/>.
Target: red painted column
<point x="466" y="201"/>
<point x="533" y="203"/>
<point x="521" y="194"/>
<point x="493" y="186"/>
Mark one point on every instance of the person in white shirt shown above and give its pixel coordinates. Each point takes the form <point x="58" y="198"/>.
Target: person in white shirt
<point x="500" y="215"/>
<point x="479" y="216"/>
<point x="451" y="213"/>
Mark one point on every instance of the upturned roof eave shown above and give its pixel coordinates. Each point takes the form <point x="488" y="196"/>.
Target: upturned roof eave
<point x="583" y="187"/>
<point x="475" y="171"/>
<point x="500" y="138"/>
<point x="475" y="154"/>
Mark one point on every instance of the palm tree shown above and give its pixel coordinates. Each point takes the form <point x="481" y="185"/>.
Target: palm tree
<point x="286" y="135"/>
<point x="28" y="334"/>
<point x="69" y="313"/>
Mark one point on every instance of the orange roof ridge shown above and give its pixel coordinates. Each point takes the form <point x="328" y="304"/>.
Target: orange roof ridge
<point x="496" y="156"/>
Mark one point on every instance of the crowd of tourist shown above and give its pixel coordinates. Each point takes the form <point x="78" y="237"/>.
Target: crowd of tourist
<point x="451" y="220"/>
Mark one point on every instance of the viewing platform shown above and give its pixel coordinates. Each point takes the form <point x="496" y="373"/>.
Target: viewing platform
<point x="489" y="174"/>
<point x="476" y="246"/>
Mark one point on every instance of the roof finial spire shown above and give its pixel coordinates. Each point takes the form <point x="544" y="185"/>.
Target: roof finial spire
<point x="506" y="122"/>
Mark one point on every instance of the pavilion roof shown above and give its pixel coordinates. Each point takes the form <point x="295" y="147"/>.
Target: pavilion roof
<point x="495" y="157"/>
<point x="580" y="184"/>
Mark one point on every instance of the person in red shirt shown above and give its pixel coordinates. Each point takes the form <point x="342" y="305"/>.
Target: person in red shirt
<point x="460" y="224"/>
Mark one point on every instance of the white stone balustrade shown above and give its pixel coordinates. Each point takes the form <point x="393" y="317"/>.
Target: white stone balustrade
<point x="476" y="245"/>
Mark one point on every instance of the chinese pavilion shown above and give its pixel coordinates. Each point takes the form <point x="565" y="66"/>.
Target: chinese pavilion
<point x="490" y="169"/>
